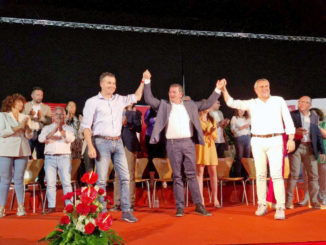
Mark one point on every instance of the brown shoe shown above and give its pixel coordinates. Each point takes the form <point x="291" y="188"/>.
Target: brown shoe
<point x="49" y="211"/>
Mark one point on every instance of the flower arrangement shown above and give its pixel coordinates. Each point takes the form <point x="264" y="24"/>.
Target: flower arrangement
<point x="84" y="222"/>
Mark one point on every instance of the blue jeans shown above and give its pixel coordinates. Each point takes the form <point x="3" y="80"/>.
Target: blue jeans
<point x="242" y="146"/>
<point x="62" y="163"/>
<point x="10" y="166"/>
<point x="107" y="149"/>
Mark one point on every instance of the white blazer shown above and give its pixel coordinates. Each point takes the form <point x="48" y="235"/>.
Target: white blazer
<point x="14" y="144"/>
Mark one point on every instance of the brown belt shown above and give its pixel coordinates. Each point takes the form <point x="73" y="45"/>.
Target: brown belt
<point x="266" y="135"/>
<point x="108" y="137"/>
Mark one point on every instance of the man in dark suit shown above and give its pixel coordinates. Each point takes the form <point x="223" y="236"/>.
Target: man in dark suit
<point x="182" y="127"/>
<point x="131" y="126"/>
<point x="308" y="142"/>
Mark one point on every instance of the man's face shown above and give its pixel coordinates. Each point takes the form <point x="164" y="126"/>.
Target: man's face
<point x="59" y="116"/>
<point x="108" y="85"/>
<point x="262" y="89"/>
<point x="175" y="95"/>
<point x="37" y="96"/>
<point x="304" y="104"/>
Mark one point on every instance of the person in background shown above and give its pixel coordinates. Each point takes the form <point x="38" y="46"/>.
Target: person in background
<point x="240" y="127"/>
<point x="321" y="165"/>
<point x="15" y="131"/>
<point x="206" y="155"/>
<point x="73" y="121"/>
<point x="57" y="138"/>
<point x="221" y="141"/>
<point x="308" y="146"/>
<point x="132" y="124"/>
<point x="41" y="114"/>
<point x="153" y="150"/>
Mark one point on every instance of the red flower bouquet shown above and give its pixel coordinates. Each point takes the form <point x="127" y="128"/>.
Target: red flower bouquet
<point x="84" y="223"/>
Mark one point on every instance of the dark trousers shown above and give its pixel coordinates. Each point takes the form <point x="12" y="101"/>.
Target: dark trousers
<point x="182" y="152"/>
<point x="39" y="148"/>
<point x="220" y="148"/>
<point x="242" y="146"/>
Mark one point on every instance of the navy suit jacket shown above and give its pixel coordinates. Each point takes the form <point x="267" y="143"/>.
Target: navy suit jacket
<point x="316" y="137"/>
<point x="164" y="109"/>
<point x="133" y="126"/>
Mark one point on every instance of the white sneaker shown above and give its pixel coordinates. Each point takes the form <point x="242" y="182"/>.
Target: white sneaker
<point x="20" y="210"/>
<point x="261" y="210"/>
<point x="279" y="214"/>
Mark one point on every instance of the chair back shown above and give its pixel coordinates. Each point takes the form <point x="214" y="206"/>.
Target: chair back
<point x="163" y="168"/>
<point x="286" y="168"/>
<point x="141" y="164"/>
<point x="223" y="167"/>
<point x="32" y="170"/>
<point x="75" y="164"/>
<point x="249" y="165"/>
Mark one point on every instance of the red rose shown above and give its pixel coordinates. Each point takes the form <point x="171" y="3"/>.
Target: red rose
<point x="68" y="196"/>
<point x="104" y="221"/>
<point x="83" y="209"/>
<point x="78" y="192"/>
<point x="65" y="220"/>
<point x="101" y="191"/>
<point x="69" y="208"/>
<point x="93" y="208"/>
<point x="88" y="195"/>
<point x="89" y="178"/>
<point x="89" y="228"/>
<point x="108" y="199"/>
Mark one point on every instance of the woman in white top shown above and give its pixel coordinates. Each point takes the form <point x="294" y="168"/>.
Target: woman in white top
<point x="240" y="127"/>
<point x="15" y="130"/>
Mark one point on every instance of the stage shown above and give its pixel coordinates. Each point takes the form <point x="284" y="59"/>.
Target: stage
<point x="234" y="223"/>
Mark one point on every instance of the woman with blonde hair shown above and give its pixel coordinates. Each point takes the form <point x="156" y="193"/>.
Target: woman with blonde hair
<point x="207" y="155"/>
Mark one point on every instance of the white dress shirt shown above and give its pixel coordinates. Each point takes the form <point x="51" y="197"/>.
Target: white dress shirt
<point x="237" y="123"/>
<point x="305" y="120"/>
<point x="218" y="116"/>
<point x="57" y="147"/>
<point x="266" y="117"/>
<point x="179" y="125"/>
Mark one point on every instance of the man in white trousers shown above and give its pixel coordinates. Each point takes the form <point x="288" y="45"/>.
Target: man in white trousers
<point x="270" y="118"/>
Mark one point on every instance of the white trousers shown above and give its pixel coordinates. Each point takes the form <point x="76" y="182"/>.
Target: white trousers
<point x="271" y="149"/>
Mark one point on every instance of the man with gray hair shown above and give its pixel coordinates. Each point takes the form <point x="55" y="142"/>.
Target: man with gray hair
<point x="309" y="143"/>
<point x="57" y="138"/>
<point x="270" y="118"/>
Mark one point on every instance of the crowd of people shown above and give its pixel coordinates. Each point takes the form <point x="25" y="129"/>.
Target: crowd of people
<point x="192" y="134"/>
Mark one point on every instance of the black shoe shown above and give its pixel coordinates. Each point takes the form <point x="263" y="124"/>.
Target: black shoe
<point x="200" y="209"/>
<point x="179" y="212"/>
<point x="49" y="211"/>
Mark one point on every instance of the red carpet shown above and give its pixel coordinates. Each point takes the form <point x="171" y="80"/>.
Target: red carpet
<point x="232" y="224"/>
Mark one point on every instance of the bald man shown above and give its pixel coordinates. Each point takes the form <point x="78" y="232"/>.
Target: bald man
<point x="308" y="145"/>
<point x="270" y="119"/>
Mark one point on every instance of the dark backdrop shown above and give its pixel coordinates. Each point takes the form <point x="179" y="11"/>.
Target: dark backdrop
<point x="68" y="62"/>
